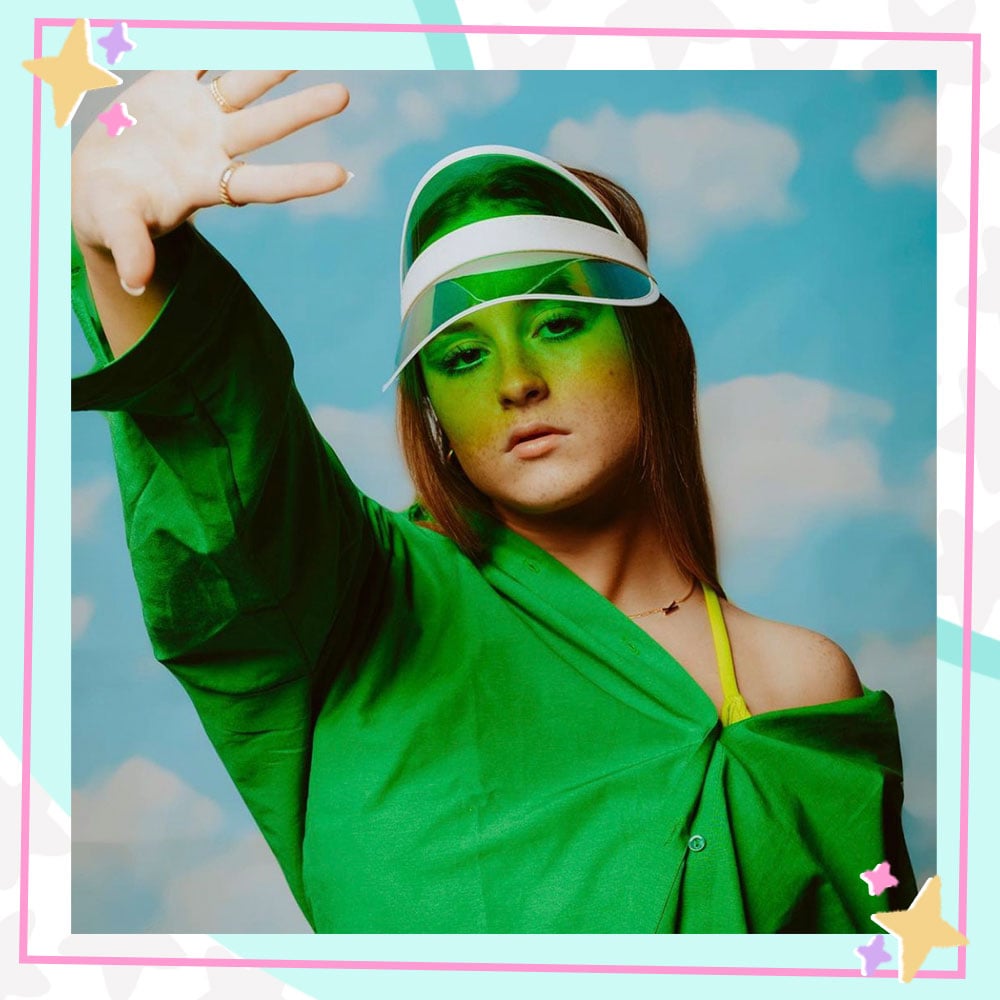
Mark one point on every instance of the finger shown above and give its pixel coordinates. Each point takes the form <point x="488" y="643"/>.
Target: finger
<point x="130" y="244"/>
<point x="269" y="184"/>
<point x="273" y="120"/>
<point x="240" y="87"/>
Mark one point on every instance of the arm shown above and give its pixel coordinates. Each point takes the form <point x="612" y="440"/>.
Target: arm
<point x="251" y="549"/>
<point x="248" y="542"/>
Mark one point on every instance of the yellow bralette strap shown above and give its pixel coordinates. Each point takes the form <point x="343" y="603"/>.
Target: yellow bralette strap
<point x="734" y="708"/>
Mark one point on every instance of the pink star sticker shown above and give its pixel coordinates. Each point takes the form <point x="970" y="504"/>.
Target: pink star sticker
<point x="116" y="119"/>
<point x="879" y="879"/>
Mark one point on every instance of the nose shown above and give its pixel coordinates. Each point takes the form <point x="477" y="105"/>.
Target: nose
<point x="521" y="382"/>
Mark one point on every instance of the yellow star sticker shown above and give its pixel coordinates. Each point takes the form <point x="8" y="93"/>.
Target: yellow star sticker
<point x="920" y="928"/>
<point x="71" y="73"/>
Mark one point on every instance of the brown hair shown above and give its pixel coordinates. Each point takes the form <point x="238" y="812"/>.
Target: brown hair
<point x="669" y="448"/>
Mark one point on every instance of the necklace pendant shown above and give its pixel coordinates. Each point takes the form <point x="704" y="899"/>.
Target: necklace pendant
<point x="671" y="608"/>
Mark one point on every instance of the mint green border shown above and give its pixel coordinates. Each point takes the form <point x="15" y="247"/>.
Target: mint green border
<point x="985" y="650"/>
<point x="447" y="51"/>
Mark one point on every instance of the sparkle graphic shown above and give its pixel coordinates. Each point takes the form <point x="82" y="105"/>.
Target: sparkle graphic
<point x="116" y="119"/>
<point x="879" y="879"/>
<point x="116" y="43"/>
<point x="71" y="73"/>
<point x="920" y="928"/>
<point x="872" y="955"/>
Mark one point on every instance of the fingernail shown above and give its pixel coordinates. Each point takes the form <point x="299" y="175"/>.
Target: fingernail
<point x="350" y="177"/>
<point x="132" y="291"/>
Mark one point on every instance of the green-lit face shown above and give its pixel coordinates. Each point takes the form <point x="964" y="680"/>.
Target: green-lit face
<point x="538" y="401"/>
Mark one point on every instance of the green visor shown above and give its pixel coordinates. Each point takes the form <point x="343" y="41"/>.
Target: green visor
<point x="495" y="224"/>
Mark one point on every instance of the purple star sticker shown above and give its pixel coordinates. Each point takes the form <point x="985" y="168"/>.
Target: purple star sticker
<point x="116" y="42"/>
<point x="872" y="955"/>
<point x="879" y="879"/>
<point x="116" y="119"/>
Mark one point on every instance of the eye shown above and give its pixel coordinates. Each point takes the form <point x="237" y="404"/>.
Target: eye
<point x="459" y="359"/>
<point x="561" y="325"/>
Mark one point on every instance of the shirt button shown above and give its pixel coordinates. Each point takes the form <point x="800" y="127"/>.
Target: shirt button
<point x="696" y="843"/>
<point x="532" y="565"/>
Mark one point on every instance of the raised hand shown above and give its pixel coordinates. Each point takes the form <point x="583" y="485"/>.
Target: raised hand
<point x="130" y="189"/>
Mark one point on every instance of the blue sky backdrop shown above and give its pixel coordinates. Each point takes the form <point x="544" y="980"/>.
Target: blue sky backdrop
<point x="792" y="222"/>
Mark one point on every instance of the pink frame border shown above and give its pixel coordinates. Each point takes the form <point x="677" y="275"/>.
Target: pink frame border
<point x="475" y="29"/>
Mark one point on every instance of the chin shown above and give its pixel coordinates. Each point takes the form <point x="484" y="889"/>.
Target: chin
<point x="565" y="498"/>
<point x="534" y="508"/>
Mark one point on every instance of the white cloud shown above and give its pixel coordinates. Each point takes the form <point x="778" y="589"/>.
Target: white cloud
<point x="240" y="887"/>
<point x="476" y="91"/>
<point x="367" y="445"/>
<point x="903" y="146"/>
<point x="88" y="500"/>
<point x="142" y="803"/>
<point x="421" y="114"/>
<point x="695" y="173"/>
<point x="388" y="111"/>
<point x="781" y="451"/>
<point x="81" y="612"/>
<point x="152" y="855"/>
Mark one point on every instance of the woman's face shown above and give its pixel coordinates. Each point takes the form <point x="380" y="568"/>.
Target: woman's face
<point x="538" y="400"/>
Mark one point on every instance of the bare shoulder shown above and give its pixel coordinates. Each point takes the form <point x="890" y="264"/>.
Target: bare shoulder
<point x="786" y="666"/>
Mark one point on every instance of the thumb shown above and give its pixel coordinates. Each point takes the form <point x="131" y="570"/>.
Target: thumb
<point x="131" y="247"/>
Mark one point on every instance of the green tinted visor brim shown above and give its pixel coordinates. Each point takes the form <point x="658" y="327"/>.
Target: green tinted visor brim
<point x="543" y="276"/>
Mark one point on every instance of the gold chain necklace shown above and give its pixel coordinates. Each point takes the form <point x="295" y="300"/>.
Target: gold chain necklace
<point x="669" y="609"/>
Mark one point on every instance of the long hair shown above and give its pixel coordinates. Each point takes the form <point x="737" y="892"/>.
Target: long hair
<point x="669" y="449"/>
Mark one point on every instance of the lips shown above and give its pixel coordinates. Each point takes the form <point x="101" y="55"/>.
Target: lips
<point x="531" y="432"/>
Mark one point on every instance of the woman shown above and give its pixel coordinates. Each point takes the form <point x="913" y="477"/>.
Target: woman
<point x="513" y="708"/>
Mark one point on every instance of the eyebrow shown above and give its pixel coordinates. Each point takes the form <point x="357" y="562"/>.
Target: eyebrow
<point x="561" y="285"/>
<point x="462" y="326"/>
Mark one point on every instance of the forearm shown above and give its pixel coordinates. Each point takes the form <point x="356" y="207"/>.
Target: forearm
<point x="124" y="317"/>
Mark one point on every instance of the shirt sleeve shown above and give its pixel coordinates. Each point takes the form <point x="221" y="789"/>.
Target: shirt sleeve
<point x="250" y="546"/>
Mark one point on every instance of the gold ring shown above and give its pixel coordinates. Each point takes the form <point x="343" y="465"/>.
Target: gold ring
<point x="219" y="99"/>
<point x="227" y="176"/>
